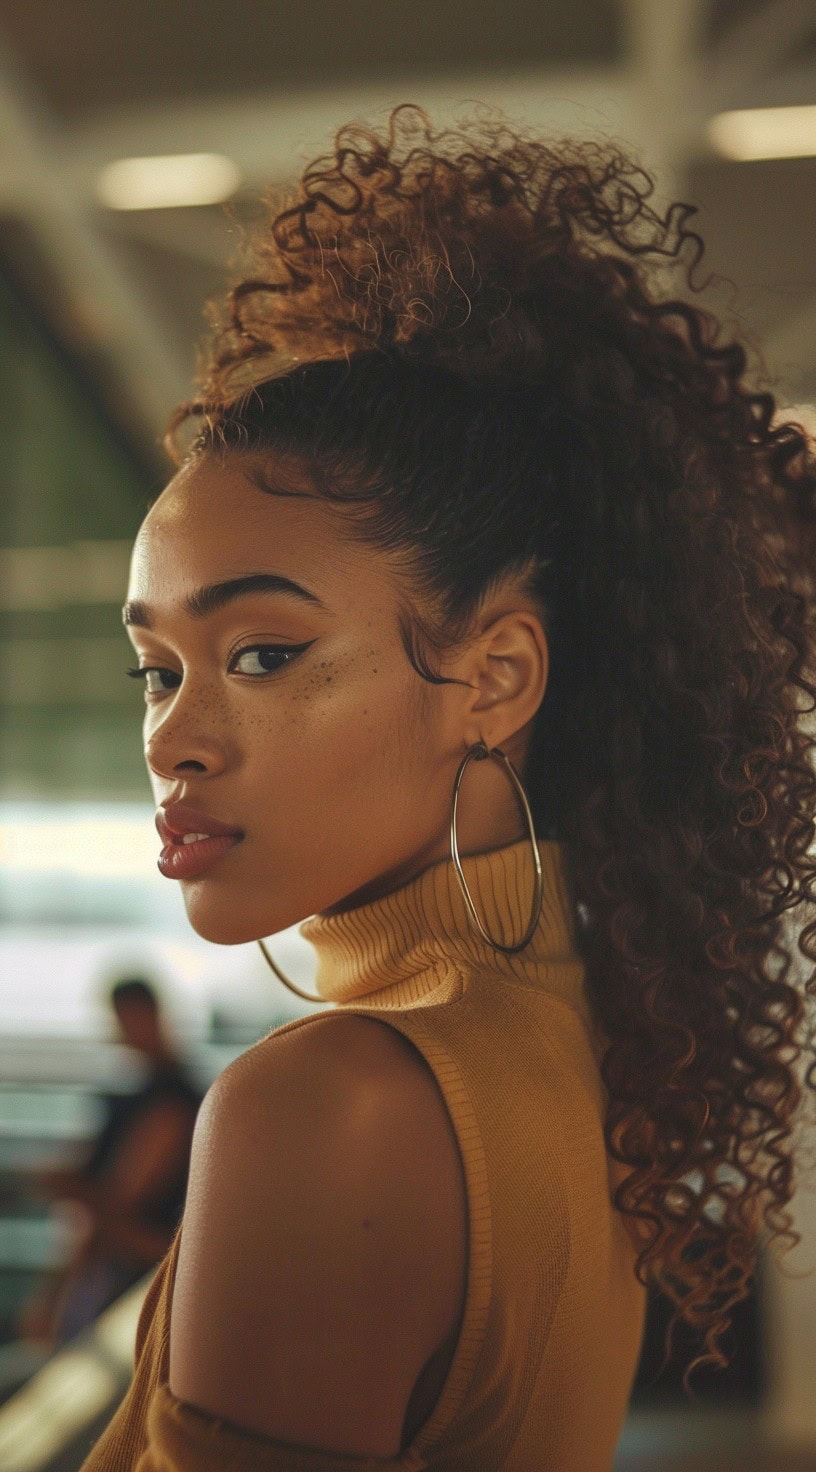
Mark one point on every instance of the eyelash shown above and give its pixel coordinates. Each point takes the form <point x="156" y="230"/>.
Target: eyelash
<point x="293" y="650"/>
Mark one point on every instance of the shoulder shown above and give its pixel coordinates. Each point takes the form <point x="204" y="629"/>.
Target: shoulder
<point x="311" y="1284"/>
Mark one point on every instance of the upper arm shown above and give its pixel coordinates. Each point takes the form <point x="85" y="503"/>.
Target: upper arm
<point x="305" y="1300"/>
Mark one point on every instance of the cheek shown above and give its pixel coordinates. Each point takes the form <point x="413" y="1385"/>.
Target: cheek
<point x="341" y="723"/>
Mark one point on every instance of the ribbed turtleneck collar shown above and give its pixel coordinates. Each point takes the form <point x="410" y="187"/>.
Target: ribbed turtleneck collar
<point x="420" y="941"/>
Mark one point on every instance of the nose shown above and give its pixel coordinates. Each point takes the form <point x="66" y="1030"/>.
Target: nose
<point x="181" y="744"/>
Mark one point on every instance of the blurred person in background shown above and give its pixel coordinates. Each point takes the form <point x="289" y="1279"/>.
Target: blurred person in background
<point x="126" y="1198"/>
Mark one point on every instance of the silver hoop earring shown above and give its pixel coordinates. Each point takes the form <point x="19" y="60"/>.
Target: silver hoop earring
<point x="307" y="996"/>
<point x="478" y="752"/>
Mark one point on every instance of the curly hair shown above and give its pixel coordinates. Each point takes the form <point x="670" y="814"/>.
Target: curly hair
<point x="468" y="338"/>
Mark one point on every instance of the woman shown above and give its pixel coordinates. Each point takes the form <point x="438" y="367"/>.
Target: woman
<point x="473" y="625"/>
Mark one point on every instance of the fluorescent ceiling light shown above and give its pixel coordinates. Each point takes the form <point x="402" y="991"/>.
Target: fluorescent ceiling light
<point x="168" y="181"/>
<point x="764" y="132"/>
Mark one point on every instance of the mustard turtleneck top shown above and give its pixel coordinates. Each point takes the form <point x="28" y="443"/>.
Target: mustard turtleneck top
<point x="553" y="1320"/>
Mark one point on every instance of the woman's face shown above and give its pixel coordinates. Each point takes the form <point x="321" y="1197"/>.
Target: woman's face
<point x="336" y="761"/>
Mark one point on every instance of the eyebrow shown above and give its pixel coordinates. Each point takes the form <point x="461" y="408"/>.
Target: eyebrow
<point x="206" y="600"/>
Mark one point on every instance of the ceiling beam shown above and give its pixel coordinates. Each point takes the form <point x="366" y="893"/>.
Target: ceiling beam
<point x="662" y="48"/>
<point x="108" y="310"/>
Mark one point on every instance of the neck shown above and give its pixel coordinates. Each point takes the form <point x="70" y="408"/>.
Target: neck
<point x="399" y="947"/>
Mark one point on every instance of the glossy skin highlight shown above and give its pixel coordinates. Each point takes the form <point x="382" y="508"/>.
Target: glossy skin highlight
<point x="339" y="761"/>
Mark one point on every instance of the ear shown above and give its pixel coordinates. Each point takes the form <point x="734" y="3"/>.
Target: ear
<point x="508" y="665"/>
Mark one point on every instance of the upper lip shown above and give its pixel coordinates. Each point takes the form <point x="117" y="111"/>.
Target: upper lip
<point x="174" y="819"/>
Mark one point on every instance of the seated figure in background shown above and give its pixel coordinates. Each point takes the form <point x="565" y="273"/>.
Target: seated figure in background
<point x="128" y="1195"/>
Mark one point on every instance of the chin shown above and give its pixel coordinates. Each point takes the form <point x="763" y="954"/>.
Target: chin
<point x="222" y="928"/>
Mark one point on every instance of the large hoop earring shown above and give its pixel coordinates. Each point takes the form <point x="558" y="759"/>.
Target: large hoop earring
<point x="307" y="996"/>
<point x="478" y="752"/>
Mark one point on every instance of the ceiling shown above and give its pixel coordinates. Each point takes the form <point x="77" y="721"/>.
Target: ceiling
<point x="267" y="84"/>
<point x="120" y="55"/>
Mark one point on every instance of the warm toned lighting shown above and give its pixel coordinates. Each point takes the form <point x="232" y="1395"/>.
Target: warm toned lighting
<point x="168" y="181"/>
<point x="764" y="132"/>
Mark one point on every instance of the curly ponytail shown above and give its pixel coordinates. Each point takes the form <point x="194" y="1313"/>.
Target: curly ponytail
<point x="465" y="338"/>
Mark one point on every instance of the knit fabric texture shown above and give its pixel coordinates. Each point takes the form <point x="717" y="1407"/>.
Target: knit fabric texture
<point x="553" y="1321"/>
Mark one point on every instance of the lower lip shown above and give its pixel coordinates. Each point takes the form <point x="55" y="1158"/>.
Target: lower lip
<point x="183" y="860"/>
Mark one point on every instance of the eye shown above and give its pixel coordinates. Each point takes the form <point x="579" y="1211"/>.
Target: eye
<point x="255" y="660"/>
<point x="150" y="669"/>
<point x="264" y="656"/>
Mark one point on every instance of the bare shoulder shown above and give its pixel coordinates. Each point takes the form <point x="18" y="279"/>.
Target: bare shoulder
<point x="372" y="1056"/>
<point x="323" y="1251"/>
<point x="361" y="1054"/>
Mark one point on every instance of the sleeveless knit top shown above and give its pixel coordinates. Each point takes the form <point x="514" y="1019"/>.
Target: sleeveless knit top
<point x="552" y="1326"/>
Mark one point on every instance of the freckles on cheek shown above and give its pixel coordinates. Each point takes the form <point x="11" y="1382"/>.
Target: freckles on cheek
<point x="343" y="704"/>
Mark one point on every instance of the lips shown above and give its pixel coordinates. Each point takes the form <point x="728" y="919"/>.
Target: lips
<point x="174" y="819"/>
<point x="208" y="840"/>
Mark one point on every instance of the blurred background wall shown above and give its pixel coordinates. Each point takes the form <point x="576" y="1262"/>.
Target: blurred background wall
<point x="134" y="139"/>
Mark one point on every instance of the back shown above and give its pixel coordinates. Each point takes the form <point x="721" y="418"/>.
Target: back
<point x="549" y="1340"/>
<point x="554" y="1316"/>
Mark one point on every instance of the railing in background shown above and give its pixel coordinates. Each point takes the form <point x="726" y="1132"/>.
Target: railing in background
<point x="49" y="1112"/>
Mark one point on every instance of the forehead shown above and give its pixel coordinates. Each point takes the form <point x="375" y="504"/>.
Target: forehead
<point x="213" y="522"/>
